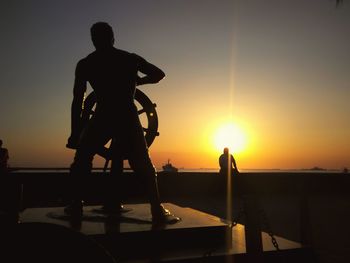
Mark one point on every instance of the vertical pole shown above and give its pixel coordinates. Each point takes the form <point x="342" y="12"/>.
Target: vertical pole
<point x="252" y="227"/>
<point x="305" y="226"/>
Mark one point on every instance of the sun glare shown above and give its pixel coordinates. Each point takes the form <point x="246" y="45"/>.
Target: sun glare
<point x="231" y="136"/>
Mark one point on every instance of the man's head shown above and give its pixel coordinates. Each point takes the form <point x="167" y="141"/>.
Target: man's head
<point x="226" y="150"/>
<point x="102" y="35"/>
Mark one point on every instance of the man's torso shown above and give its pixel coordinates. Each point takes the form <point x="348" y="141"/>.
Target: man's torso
<point x="112" y="75"/>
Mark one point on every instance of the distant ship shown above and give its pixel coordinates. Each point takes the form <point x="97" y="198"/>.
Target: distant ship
<point x="316" y="168"/>
<point x="168" y="167"/>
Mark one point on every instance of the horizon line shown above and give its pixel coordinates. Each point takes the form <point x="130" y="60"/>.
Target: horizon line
<point x="316" y="168"/>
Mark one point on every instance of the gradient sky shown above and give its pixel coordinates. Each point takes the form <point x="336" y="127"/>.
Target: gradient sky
<point x="278" y="69"/>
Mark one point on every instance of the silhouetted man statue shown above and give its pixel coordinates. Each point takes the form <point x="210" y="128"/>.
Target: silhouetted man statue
<point x="113" y="75"/>
<point x="4" y="156"/>
<point x="227" y="163"/>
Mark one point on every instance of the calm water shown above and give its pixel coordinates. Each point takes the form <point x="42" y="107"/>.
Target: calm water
<point x="201" y="170"/>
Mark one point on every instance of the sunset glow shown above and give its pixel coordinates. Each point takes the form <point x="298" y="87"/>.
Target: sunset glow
<point x="246" y="75"/>
<point x="231" y="136"/>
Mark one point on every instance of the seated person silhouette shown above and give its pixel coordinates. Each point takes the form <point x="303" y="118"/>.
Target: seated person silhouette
<point x="113" y="75"/>
<point x="4" y="156"/>
<point x="227" y="163"/>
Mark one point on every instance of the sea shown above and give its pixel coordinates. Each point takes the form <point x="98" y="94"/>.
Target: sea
<point x="181" y="170"/>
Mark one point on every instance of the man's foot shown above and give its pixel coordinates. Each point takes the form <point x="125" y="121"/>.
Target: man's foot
<point x="112" y="209"/>
<point x="75" y="209"/>
<point x="161" y="216"/>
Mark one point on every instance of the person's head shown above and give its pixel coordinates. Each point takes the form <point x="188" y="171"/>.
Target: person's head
<point x="0" y="143"/>
<point x="102" y="35"/>
<point x="226" y="150"/>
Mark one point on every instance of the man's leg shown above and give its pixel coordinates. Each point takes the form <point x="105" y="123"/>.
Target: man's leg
<point x="93" y="137"/>
<point x="143" y="167"/>
<point x="80" y="168"/>
<point x="141" y="163"/>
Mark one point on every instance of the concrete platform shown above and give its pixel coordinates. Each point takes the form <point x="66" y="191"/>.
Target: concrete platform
<point x="133" y="238"/>
<point x="134" y="231"/>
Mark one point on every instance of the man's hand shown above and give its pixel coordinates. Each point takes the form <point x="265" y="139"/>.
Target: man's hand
<point x="73" y="141"/>
<point x="138" y="81"/>
<point x="77" y="128"/>
<point x="152" y="74"/>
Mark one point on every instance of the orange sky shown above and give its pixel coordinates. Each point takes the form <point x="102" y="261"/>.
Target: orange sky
<point x="284" y="82"/>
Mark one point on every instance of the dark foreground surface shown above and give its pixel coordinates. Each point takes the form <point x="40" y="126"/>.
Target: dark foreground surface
<point x="312" y="209"/>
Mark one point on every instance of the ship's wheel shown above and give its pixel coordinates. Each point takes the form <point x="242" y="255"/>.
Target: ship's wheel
<point x="147" y="114"/>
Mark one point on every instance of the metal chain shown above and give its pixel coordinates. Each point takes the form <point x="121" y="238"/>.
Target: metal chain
<point x="241" y="214"/>
<point x="268" y="228"/>
<point x="264" y="220"/>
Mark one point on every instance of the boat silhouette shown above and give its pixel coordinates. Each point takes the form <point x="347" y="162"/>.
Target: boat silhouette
<point x="168" y="167"/>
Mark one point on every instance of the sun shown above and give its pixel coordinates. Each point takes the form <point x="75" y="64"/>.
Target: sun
<point x="231" y="136"/>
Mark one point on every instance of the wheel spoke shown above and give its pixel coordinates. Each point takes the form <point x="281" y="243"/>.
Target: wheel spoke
<point x="141" y="111"/>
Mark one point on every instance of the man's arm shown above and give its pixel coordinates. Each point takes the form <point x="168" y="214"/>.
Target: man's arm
<point x="77" y="105"/>
<point x="234" y="164"/>
<point x="152" y="73"/>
